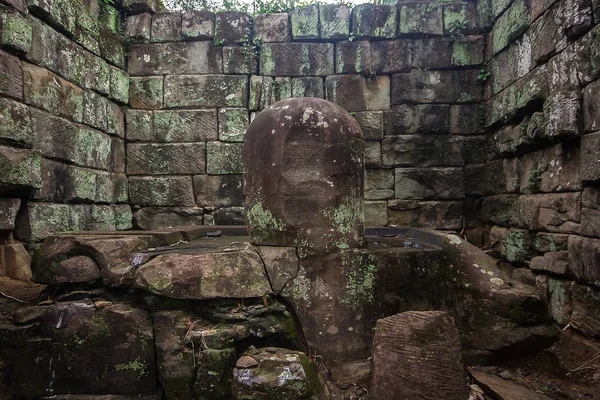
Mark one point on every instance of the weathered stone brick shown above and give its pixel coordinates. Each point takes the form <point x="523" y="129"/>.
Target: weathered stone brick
<point x="513" y="139"/>
<point x="591" y="107"/>
<point x="563" y="115"/>
<point x="44" y="44"/>
<point x="353" y="57"/>
<point x="146" y="92"/>
<point x="161" y="191"/>
<point x="466" y="119"/>
<point x="218" y="190"/>
<point x="308" y="86"/>
<point x="422" y="151"/>
<point x="590" y="157"/>
<point x="261" y="91"/>
<point x="586" y="306"/>
<point x="510" y="25"/>
<point x="197" y="24"/>
<point x="166" y="159"/>
<point x="391" y="56"/>
<point x="371" y="124"/>
<point x="478" y="149"/>
<point x="166" y="27"/>
<point x="372" y="154"/>
<point x="334" y="20"/>
<point x="296" y="59"/>
<point x="379" y="184"/>
<point x="185" y="126"/>
<point x="153" y="218"/>
<point x="270" y="28"/>
<point x="183" y="58"/>
<point x="112" y="48"/>
<point x="460" y="18"/>
<point x="432" y="53"/>
<point x="96" y="73"/>
<point x="15" y="123"/>
<point x="552" y="169"/>
<point x="40" y="220"/>
<point x="138" y="27"/>
<point x="544" y="242"/>
<point x="8" y="213"/>
<point x="357" y="93"/>
<point x="11" y="76"/>
<point x="558" y="212"/>
<point x="15" y="31"/>
<point x="376" y="213"/>
<point x="486" y="179"/>
<point x="223" y="158"/>
<point x="590" y="222"/>
<point x="429" y="183"/>
<point x="229" y="216"/>
<point x="217" y="91"/>
<point x="140" y="6"/>
<point x="421" y="86"/>
<point x="119" y="85"/>
<point x="232" y="27"/>
<point x="115" y="119"/>
<point x="583" y="258"/>
<point x="19" y="5"/>
<point x="139" y="125"/>
<point x="282" y="89"/>
<point x="233" y="123"/>
<point x="41" y="88"/>
<point x="546" y="39"/>
<point x="110" y="18"/>
<point x="19" y="168"/>
<point x="468" y="51"/>
<point x="117" y="152"/>
<point x="305" y="22"/>
<point x="240" y="60"/>
<point x="426" y="214"/>
<point x="421" y="18"/>
<point x="94" y="110"/>
<point x="374" y="21"/>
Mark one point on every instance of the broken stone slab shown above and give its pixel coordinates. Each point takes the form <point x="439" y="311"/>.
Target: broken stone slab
<point x="234" y="271"/>
<point x="275" y="373"/>
<point x="23" y="291"/>
<point x="113" y="256"/>
<point x="503" y="389"/>
<point x="153" y="218"/>
<point x="417" y="355"/>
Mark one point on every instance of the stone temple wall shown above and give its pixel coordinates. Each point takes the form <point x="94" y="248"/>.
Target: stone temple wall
<point x="531" y="180"/>
<point x="408" y="74"/>
<point x="63" y="87"/>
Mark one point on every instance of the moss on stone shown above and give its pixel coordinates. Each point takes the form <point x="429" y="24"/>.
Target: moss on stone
<point x="262" y="223"/>
<point x="347" y="216"/>
<point x="16" y="31"/>
<point x="361" y="275"/>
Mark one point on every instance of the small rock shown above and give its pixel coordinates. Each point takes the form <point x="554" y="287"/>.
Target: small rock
<point x="344" y="385"/>
<point x="101" y="304"/>
<point x="271" y="350"/>
<point x="505" y="374"/>
<point x="246" y="362"/>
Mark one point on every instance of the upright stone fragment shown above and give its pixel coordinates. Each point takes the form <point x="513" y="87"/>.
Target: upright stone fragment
<point x="416" y="354"/>
<point x="311" y="189"/>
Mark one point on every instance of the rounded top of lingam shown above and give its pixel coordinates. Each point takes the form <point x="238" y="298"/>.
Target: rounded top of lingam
<point x="304" y="175"/>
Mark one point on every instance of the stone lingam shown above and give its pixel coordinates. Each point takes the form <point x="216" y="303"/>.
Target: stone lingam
<point x="208" y="313"/>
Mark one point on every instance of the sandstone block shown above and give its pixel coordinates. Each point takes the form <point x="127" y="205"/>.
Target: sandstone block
<point x="138" y="27"/>
<point x="421" y="18"/>
<point x="146" y="92"/>
<point x="510" y="25"/>
<point x="585" y="309"/>
<point x="430" y="340"/>
<point x="232" y="27"/>
<point x="296" y="59"/>
<point x="460" y="19"/>
<point x="420" y="86"/>
<point x="468" y="51"/>
<point x="20" y="168"/>
<point x="281" y="264"/>
<point x="218" y="190"/>
<point x="152" y="218"/>
<point x="40" y="220"/>
<point x="552" y="169"/>
<point x="391" y="56"/>
<point x="139" y="125"/>
<point x="465" y="119"/>
<point x="305" y="22"/>
<point x="591" y="108"/>
<point x="357" y="93"/>
<point x="166" y="27"/>
<point x="240" y="60"/>
<point x="184" y="58"/>
<point x="371" y="124"/>
<point x="426" y="214"/>
<point x="353" y="57"/>
<point x="374" y="21"/>
<point x="429" y="183"/>
<point x="432" y="53"/>
<point x="372" y="154"/>
<point x="334" y="20"/>
<point x="161" y="191"/>
<point x="197" y="25"/>
<point x="583" y="259"/>
<point x="272" y="27"/>
<point x="185" y="126"/>
<point x="376" y="213"/>
<point x="16" y="31"/>
<point x="166" y="159"/>
<point x="379" y="184"/>
<point x="15" y="122"/>
<point x="307" y="87"/>
<point x="590" y="164"/>
<point x="233" y="123"/>
<point x="563" y="115"/>
<point x="94" y="110"/>
<point x="422" y="151"/>
<point x="11" y="76"/>
<point x="218" y="91"/>
<point x="223" y="158"/>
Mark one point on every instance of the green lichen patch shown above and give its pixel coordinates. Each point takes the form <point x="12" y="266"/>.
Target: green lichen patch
<point x="360" y="271"/>
<point x="16" y="32"/>
<point x="263" y="225"/>
<point x="346" y="217"/>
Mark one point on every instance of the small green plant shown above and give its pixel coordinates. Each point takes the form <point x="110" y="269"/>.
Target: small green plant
<point x="252" y="46"/>
<point x="456" y="28"/>
<point x="484" y="74"/>
<point x="219" y="42"/>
